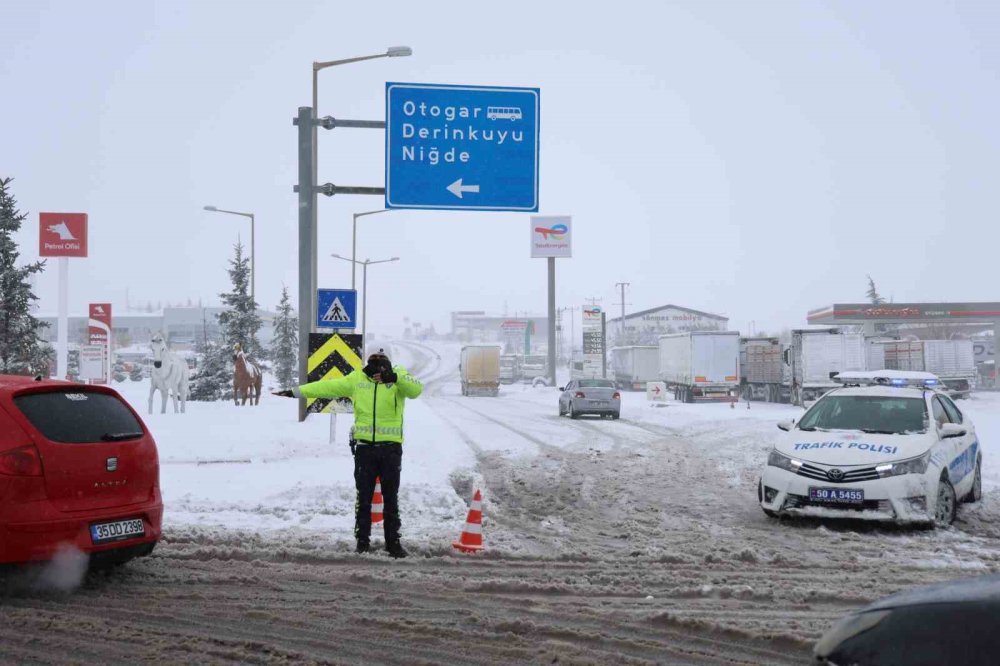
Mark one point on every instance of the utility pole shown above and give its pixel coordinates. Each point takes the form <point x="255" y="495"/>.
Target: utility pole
<point x="623" y="285"/>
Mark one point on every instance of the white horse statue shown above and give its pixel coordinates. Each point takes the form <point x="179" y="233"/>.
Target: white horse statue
<point x="169" y="375"/>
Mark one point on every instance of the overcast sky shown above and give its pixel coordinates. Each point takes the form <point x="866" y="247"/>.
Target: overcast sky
<point x="753" y="159"/>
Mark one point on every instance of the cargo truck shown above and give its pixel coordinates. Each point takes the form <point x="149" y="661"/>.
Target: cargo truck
<point x="634" y="366"/>
<point x="953" y="361"/>
<point x="700" y="365"/>
<point x="801" y="371"/>
<point x="480" y="370"/>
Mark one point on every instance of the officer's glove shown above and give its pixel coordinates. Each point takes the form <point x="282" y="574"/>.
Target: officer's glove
<point x="389" y="377"/>
<point x="286" y="393"/>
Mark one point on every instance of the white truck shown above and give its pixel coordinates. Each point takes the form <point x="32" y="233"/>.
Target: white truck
<point x="953" y="361"/>
<point x="480" y="370"/>
<point x="510" y="368"/>
<point x="801" y="371"/>
<point x="634" y="366"/>
<point x="700" y="365"/>
<point x="815" y="357"/>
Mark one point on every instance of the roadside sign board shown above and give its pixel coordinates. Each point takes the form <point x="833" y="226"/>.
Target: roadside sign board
<point x="331" y="355"/>
<point x="336" y="308"/>
<point x="593" y="342"/>
<point x="656" y="391"/>
<point x="99" y="335"/>
<point x="461" y="147"/>
<point x="92" y="363"/>
<point x="62" y="234"/>
<point x="551" y="236"/>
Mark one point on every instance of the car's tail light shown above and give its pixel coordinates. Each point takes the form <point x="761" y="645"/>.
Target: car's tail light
<point x="22" y="461"/>
<point x="616" y="396"/>
<point x="580" y="394"/>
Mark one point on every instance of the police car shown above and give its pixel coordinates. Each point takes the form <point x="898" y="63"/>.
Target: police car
<point x="886" y="446"/>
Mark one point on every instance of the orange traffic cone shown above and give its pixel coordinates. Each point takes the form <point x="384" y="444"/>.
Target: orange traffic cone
<point x="471" y="540"/>
<point x="377" y="505"/>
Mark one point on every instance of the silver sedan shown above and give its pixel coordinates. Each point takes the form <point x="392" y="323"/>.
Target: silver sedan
<point x="590" y="396"/>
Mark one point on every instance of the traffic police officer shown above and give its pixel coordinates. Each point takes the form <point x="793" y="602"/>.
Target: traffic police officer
<point x="378" y="392"/>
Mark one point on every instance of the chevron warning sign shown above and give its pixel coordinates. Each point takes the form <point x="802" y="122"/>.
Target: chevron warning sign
<point x="331" y="355"/>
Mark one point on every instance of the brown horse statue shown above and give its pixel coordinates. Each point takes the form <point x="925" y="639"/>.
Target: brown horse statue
<point x="246" y="380"/>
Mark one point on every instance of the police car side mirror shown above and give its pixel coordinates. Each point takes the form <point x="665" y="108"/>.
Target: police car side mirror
<point x="950" y="430"/>
<point x="786" y="425"/>
<point x="562" y="388"/>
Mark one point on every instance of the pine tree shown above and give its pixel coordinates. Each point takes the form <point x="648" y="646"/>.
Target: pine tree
<point x="214" y="379"/>
<point x="285" y="343"/>
<point x="873" y="296"/>
<point x="21" y="350"/>
<point x="240" y="322"/>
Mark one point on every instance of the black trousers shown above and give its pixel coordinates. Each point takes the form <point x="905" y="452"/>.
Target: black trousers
<point x="370" y="461"/>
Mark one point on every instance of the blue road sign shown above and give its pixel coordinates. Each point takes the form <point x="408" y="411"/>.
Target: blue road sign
<point x="461" y="147"/>
<point x="336" y="308"/>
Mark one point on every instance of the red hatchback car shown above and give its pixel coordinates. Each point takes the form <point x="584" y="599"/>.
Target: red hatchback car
<point x="77" y="468"/>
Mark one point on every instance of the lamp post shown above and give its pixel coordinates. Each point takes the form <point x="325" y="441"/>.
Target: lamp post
<point x="354" y="238"/>
<point x="391" y="52"/>
<point x="364" y="287"/>
<point x="253" y="258"/>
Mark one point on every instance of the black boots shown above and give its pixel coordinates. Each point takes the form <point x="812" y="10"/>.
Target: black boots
<point x="396" y="550"/>
<point x="362" y="547"/>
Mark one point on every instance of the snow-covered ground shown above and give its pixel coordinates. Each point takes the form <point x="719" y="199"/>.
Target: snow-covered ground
<point x="669" y="488"/>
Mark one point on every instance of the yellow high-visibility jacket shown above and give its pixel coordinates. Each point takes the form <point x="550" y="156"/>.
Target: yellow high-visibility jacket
<point x="378" y="408"/>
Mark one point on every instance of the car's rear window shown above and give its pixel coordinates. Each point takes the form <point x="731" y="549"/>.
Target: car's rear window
<point x="79" y="417"/>
<point x="596" y="383"/>
<point x="872" y="414"/>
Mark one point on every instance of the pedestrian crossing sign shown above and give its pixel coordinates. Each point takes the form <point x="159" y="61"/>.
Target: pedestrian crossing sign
<point x="336" y="308"/>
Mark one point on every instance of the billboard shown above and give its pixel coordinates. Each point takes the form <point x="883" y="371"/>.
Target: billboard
<point x="62" y="234"/>
<point x="551" y="236"/>
<point x="99" y="334"/>
<point x="859" y="313"/>
<point x="593" y="342"/>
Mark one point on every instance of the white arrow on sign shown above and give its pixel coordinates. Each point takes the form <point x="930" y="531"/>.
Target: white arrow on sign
<point x="458" y="189"/>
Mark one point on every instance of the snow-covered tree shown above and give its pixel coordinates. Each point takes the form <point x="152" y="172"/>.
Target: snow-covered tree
<point x="240" y="322"/>
<point x="22" y="352"/>
<point x="213" y="380"/>
<point x="285" y="343"/>
<point x="873" y="296"/>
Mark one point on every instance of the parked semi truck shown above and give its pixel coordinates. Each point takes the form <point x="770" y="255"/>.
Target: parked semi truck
<point x="953" y="361"/>
<point x="801" y="371"/>
<point x="700" y="365"/>
<point x="634" y="366"/>
<point x="480" y="370"/>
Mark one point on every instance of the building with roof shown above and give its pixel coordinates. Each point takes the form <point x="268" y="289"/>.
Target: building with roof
<point x="645" y="326"/>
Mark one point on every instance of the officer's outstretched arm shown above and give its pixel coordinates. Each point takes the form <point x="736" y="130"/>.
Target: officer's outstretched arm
<point x="342" y="387"/>
<point x="408" y="385"/>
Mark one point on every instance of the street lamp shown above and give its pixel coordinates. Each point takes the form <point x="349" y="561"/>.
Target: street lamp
<point x="354" y="238"/>
<point x="364" y="287"/>
<point x="391" y="52"/>
<point x="253" y="259"/>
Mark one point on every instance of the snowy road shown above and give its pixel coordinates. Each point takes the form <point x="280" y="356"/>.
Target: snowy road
<point x="632" y="541"/>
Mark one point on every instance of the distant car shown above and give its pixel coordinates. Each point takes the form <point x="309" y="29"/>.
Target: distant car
<point x="947" y="623"/>
<point x="886" y="446"/>
<point x="77" y="467"/>
<point x="590" y="396"/>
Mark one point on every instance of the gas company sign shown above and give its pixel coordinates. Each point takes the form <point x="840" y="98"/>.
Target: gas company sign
<point x="99" y="332"/>
<point x="551" y="236"/>
<point x="62" y="235"/>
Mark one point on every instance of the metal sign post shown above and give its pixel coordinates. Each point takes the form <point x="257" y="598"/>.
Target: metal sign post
<point x="551" y="238"/>
<point x="62" y="235"/>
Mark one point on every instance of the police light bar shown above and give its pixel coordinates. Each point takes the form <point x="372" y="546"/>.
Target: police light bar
<point x="888" y="378"/>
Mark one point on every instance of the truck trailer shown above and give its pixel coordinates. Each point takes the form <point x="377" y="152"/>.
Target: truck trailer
<point x="480" y="370"/>
<point x="801" y="371"/>
<point x="953" y="361"/>
<point x="700" y="365"/>
<point x="634" y="366"/>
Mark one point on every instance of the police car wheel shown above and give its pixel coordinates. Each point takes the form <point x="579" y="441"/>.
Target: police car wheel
<point x="944" y="512"/>
<point x="976" y="492"/>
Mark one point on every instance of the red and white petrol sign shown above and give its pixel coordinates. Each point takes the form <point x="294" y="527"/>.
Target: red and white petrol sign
<point x="99" y="333"/>
<point x="62" y="235"/>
